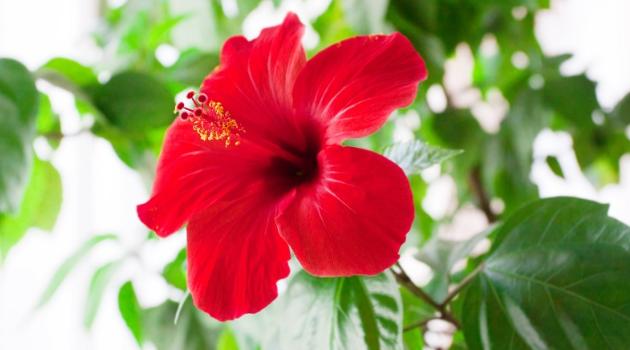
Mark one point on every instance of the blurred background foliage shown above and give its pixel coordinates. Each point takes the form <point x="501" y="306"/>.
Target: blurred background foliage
<point x="127" y="99"/>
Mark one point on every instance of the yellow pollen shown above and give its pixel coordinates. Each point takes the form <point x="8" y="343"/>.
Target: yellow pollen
<point x="214" y="123"/>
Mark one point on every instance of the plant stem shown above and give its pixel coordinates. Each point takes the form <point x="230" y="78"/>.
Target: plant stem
<point x="406" y="282"/>
<point x="453" y="293"/>
<point x="480" y="194"/>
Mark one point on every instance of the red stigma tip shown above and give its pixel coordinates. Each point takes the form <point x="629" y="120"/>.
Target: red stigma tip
<point x="202" y="98"/>
<point x="198" y="112"/>
<point x="190" y="94"/>
<point x="184" y="115"/>
<point x="180" y="106"/>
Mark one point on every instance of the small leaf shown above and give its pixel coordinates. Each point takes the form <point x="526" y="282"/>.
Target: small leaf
<point x="135" y="102"/>
<point x="39" y="208"/>
<point x="70" y="263"/>
<point x="130" y="310"/>
<point x="558" y="278"/>
<point x="415" y="156"/>
<point x="98" y="284"/>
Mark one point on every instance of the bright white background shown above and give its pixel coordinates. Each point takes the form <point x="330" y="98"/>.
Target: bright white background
<point x="100" y="193"/>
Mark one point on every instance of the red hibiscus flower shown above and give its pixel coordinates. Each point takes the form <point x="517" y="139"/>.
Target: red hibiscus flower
<point x="254" y="165"/>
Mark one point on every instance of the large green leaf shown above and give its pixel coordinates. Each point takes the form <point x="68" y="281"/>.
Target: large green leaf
<point x="70" y="263"/>
<point x="135" y="102"/>
<point x="340" y="313"/>
<point x="558" y="278"/>
<point x="40" y="207"/>
<point x="415" y="156"/>
<point x="130" y="310"/>
<point x="18" y="107"/>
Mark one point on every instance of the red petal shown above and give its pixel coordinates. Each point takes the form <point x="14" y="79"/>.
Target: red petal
<point x="255" y="79"/>
<point x="354" y="219"/>
<point x="192" y="174"/>
<point x="354" y="86"/>
<point x="235" y="255"/>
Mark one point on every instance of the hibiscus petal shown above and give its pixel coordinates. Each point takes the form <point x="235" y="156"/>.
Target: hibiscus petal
<point x="353" y="219"/>
<point x="255" y="79"/>
<point x="192" y="174"/>
<point x="353" y="86"/>
<point x="235" y="255"/>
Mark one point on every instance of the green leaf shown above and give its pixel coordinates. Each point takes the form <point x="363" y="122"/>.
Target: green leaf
<point x="69" y="74"/>
<point x="98" y="284"/>
<point x="415" y="310"/>
<point x="69" y="264"/>
<point x="135" y="102"/>
<point x="340" y="313"/>
<point x="415" y="156"/>
<point x="227" y="340"/>
<point x="18" y="108"/>
<point x="573" y="97"/>
<point x="40" y="207"/>
<point x="622" y="111"/>
<point x="174" y="272"/>
<point x="130" y="310"/>
<point x="17" y="84"/>
<point x="190" y="69"/>
<point x="558" y="278"/>
<point x="365" y="17"/>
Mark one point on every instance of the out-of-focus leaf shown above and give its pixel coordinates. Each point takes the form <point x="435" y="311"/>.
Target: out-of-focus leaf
<point x="174" y="272"/>
<point x="622" y="111"/>
<point x="365" y="17"/>
<point x="190" y="69"/>
<point x="135" y="102"/>
<point x="39" y="208"/>
<point x="69" y="74"/>
<point x="193" y="331"/>
<point x="441" y="255"/>
<point x="70" y="263"/>
<point x="332" y="26"/>
<point x="557" y="278"/>
<point x="554" y="165"/>
<point x="227" y="340"/>
<point x="340" y="313"/>
<point x="18" y="108"/>
<point x="131" y="311"/>
<point x="16" y="83"/>
<point x="508" y="156"/>
<point x="48" y="122"/>
<point x="98" y="284"/>
<point x="414" y="310"/>
<point x="415" y="156"/>
<point x="573" y="97"/>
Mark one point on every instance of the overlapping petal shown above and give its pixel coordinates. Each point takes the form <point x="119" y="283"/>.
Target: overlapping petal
<point x="235" y="255"/>
<point x="255" y="80"/>
<point x="193" y="174"/>
<point x="353" y="86"/>
<point x="354" y="220"/>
